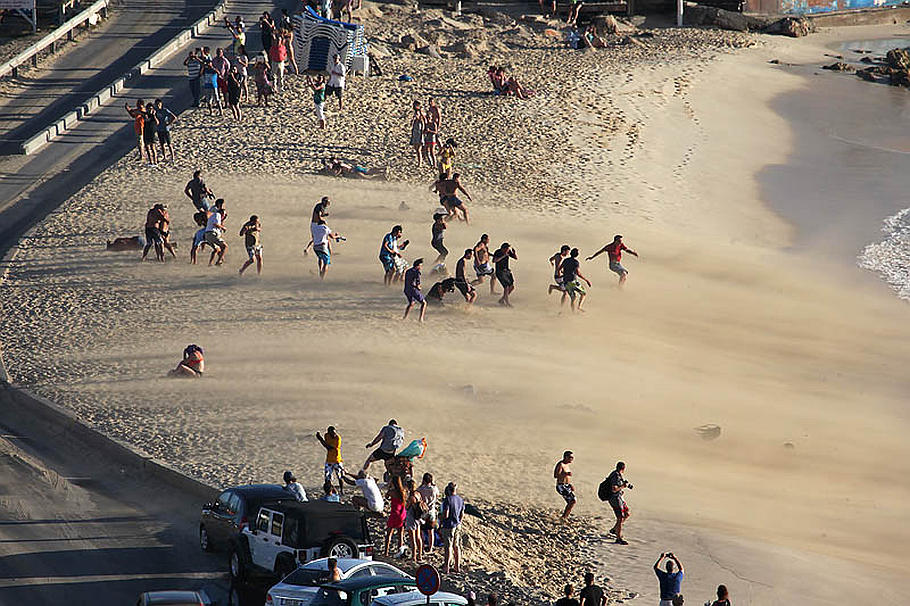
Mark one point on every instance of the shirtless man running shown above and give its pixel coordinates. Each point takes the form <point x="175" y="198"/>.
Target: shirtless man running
<point x="448" y="188"/>
<point x="482" y="265"/>
<point x="556" y="261"/>
<point x="461" y="281"/>
<point x="563" y="474"/>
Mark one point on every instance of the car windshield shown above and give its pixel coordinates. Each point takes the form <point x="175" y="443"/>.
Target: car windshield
<point x="330" y="597"/>
<point x="307" y="576"/>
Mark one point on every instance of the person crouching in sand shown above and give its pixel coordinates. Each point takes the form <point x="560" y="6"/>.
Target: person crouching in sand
<point x="192" y="365"/>
<point x="412" y="290"/>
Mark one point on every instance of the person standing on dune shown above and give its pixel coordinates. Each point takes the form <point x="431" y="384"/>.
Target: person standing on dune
<point x="616" y="483"/>
<point x="614" y="253"/>
<point x="333" y="462"/>
<point x="563" y="474"/>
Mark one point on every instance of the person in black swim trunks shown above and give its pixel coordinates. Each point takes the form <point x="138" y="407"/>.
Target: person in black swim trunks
<point x="461" y="281"/>
<point x="556" y="261"/>
<point x="503" y="272"/>
<point x="447" y="188"/>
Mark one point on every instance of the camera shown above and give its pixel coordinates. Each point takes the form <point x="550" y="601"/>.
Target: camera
<point x="341" y="239"/>
<point x="627" y="485"/>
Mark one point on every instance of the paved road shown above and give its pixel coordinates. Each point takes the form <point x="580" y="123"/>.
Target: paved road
<point x="135" y="30"/>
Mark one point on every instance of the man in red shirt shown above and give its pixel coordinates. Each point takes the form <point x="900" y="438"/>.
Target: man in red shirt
<point x="614" y="252"/>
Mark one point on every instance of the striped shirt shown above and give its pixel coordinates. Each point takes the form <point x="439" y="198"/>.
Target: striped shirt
<point x="193" y="69"/>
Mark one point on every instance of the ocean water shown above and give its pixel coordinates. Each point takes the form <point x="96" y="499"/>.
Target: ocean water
<point x="890" y="257"/>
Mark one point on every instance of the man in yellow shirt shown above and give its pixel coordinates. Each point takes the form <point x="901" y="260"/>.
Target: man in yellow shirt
<point x="333" y="461"/>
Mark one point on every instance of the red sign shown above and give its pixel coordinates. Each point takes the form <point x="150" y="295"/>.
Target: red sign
<point x="427" y="579"/>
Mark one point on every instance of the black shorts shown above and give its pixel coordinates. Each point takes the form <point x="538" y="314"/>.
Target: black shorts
<point x="164" y="136"/>
<point x="381" y="455"/>
<point x="148" y="137"/>
<point x="333" y="90"/>
<point x="153" y="235"/>
<point x="505" y="278"/>
<point x="463" y="287"/>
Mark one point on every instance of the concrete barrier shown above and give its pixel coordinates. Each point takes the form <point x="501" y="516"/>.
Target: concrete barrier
<point x="35" y="143"/>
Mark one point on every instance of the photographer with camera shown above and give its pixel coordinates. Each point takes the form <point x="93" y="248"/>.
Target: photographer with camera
<point x="670" y="580"/>
<point x="617" y="484"/>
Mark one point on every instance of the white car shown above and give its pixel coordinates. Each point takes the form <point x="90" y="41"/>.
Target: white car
<point x="301" y="586"/>
<point x="414" y="598"/>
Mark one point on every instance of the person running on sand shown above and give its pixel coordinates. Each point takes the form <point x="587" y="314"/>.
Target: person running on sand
<point x="571" y="273"/>
<point x="192" y="364"/>
<point x="389" y="438"/>
<point x="418" y="123"/>
<point x="614" y="253"/>
<point x="591" y="594"/>
<point x="165" y="228"/>
<point x="412" y="290"/>
<point x="251" y="231"/>
<point x="322" y="236"/>
<point x="153" y="219"/>
<point x="437" y="233"/>
<point x="199" y="237"/>
<point x="671" y="580"/>
<point x="333" y="462"/>
<point x="504" y="273"/>
<point x="197" y="191"/>
<point x="461" y="281"/>
<point x="564" y="488"/>
<point x="318" y="86"/>
<point x="556" y="261"/>
<point x="482" y="265"/>
<point x="567" y="599"/>
<point x="336" y="80"/>
<point x="371" y="497"/>
<point x="321" y="210"/>
<point x="430" y="495"/>
<point x="138" y="117"/>
<point x="448" y="188"/>
<point x="450" y="527"/>
<point x="723" y="596"/>
<point x="390" y="251"/>
<point x="214" y="229"/>
<point x="617" y="483"/>
<point x="294" y="487"/>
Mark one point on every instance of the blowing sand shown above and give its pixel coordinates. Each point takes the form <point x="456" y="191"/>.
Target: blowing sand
<point x="718" y="325"/>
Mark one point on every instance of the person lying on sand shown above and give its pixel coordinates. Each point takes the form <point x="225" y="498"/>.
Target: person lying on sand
<point x="439" y="290"/>
<point x="614" y="253"/>
<point x="192" y="364"/>
<point x="124" y="243"/>
<point x="335" y="167"/>
<point x="564" y="488"/>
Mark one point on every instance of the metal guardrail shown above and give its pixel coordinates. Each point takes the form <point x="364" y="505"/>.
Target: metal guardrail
<point x="45" y="136"/>
<point x="50" y="40"/>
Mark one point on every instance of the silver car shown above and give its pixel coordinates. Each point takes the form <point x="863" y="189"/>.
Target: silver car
<point x="301" y="586"/>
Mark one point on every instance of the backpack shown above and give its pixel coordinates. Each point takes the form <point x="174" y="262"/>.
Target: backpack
<point x="603" y="491"/>
<point x="398" y="440"/>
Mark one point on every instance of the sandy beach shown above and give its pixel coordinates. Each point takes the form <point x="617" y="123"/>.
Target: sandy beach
<point x="723" y="321"/>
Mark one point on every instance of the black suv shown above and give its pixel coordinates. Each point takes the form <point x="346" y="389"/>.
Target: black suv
<point x="287" y="533"/>
<point x="223" y="519"/>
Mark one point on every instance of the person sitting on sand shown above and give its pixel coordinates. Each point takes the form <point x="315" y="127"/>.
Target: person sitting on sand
<point x="513" y="87"/>
<point x="497" y="79"/>
<point x="329" y="494"/>
<point x="412" y="290"/>
<point x="567" y="599"/>
<point x="461" y="282"/>
<point x="371" y="498"/>
<point x="439" y="290"/>
<point x="448" y="188"/>
<point x="592" y="38"/>
<point x="294" y="487"/>
<point x="614" y="254"/>
<point x="192" y="364"/>
<point x="563" y="474"/>
<point x="670" y="580"/>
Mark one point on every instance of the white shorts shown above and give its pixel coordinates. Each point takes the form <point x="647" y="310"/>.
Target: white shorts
<point x="320" y="111"/>
<point x="335" y="469"/>
<point x="252" y="251"/>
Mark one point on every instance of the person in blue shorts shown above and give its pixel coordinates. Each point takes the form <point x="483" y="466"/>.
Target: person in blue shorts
<point x="389" y="252"/>
<point x="412" y="290"/>
<point x="322" y="237"/>
<point x="614" y="252"/>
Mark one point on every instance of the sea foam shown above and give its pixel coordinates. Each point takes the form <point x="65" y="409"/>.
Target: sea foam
<point x="891" y="257"/>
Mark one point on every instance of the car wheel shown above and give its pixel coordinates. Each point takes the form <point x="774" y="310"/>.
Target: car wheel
<point x="340" y="548"/>
<point x="237" y="566"/>
<point x="204" y="542"/>
<point x="284" y="567"/>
